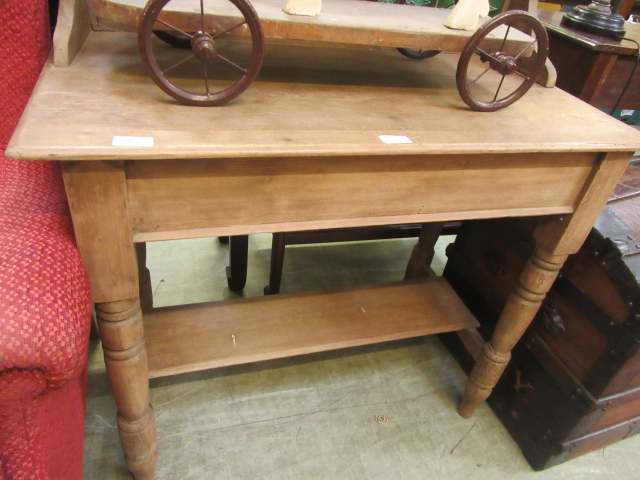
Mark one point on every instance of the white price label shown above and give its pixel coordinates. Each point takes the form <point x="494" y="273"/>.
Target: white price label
<point x="394" y="139"/>
<point x="123" y="141"/>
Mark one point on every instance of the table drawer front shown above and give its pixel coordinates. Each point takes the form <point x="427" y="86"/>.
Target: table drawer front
<point x="233" y="196"/>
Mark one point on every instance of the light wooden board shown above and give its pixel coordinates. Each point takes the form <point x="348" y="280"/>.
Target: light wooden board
<point x="101" y="219"/>
<point x="341" y="21"/>
<point x="72" y="29"/>
<point x="197" y="337"/>
<point x="187" y="198"/>
<point x="307" y="101"/>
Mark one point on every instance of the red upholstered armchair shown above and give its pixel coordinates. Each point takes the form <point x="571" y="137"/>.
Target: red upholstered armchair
<point x="44" y="294"/>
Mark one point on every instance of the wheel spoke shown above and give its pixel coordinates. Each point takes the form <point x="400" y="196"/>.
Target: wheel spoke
<point x="498" y="90"/>
<point x="478" y="77"/>
<point x="190" y="75"/>
<point x="486" y="54"/>
<point x="229" y="29"/>
<point x="202" y="15"/>
<point x="504" y="40"/>
<point x="206" y="77"/>
<point x="231" y="63"/>
<point x="174" y="28"/>
<point x="501" y="54"/>
<point x="178" y="64"/>
<point x="528" y="48"/>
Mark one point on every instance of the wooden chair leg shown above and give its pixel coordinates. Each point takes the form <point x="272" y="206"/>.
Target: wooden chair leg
<point x="277" y="262"/>
<point x="237" y="269"/>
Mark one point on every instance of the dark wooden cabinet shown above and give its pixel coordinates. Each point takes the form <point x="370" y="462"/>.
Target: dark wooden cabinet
<point x="621" y="7"/>
<point x="594" y="68"/>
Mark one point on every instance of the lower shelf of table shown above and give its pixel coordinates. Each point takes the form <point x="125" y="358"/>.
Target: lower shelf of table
<point x="218" y="334"/>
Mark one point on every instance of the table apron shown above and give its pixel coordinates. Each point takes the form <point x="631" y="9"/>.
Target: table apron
<point x="191" y="198"/>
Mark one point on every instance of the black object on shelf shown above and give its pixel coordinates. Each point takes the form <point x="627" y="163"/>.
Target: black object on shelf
<point x="595" y="18"/>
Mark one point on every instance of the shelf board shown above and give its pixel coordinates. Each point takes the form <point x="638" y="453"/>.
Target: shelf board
<point x="218" y="334"/>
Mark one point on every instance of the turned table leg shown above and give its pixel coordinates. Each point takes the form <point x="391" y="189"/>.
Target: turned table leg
<point x="535" y="281"/>
<point x="120" y="325"/>
<point x="98" y="199"/>
<point x="556" y="238"/>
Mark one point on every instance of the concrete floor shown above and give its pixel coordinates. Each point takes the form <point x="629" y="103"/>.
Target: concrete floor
<point x="378" y="412"/>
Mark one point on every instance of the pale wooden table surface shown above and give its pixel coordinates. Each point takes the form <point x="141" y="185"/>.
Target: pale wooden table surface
<point x="365" y="91"/>
<point x="301" y="149"/>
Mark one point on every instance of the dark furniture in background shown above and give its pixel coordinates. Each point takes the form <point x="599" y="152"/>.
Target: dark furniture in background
<point x="621" y="7"/>
<point x="239" y="246"/>
<point x="282" y="239"/>
<point x="593" y="68"/>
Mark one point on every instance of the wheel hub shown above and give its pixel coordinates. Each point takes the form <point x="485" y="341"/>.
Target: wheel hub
<point x="503" y="63"/>
<point x="204" y="46"/>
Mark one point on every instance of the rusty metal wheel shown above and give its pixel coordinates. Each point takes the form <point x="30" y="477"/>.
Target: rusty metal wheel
<point x="494" y="71"/>
<point x="216" y="67"/>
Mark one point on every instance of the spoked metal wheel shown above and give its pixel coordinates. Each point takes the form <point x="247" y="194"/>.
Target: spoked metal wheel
<point x="218" y="66"/>
<point x="496" y="70"/>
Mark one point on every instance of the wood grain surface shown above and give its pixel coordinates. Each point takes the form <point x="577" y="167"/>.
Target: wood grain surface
<point x="195" y="337"/>
<point x="185" y="198"/>
<point x="306" y="101"/>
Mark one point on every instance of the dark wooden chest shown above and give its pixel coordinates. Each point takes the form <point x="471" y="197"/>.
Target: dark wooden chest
<point x="573" y="385"/>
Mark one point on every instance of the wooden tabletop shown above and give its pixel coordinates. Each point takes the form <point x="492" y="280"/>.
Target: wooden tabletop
<point x="307" y="100"/>
<point x="598" y="43"/>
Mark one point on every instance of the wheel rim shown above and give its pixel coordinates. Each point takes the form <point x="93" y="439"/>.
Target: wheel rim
<point x="215" y="69"/>
<point x="488" y="77"/>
